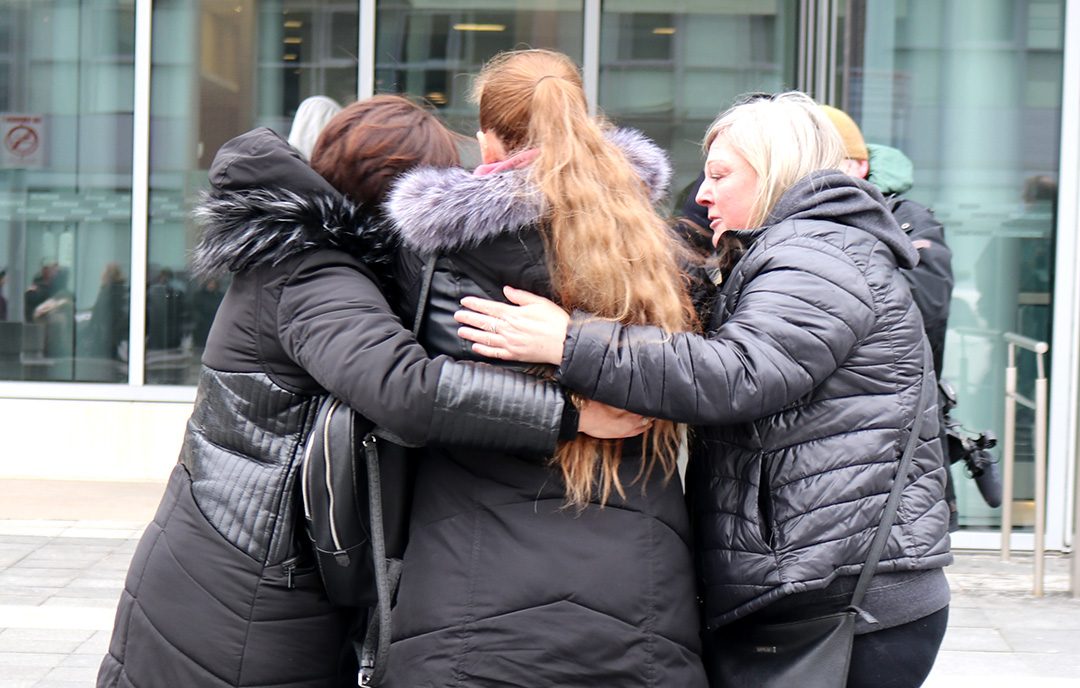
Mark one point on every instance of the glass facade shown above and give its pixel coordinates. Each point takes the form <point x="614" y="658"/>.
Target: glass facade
<point x="669" y="67"/>
<point x="431" y="49"/>
<point x="66" y="99"/>
<point x="970" y="90"/>
<point x="220" y="68"/>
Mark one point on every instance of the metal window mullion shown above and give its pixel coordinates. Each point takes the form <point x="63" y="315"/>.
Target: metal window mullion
<point x="1064" y="440"/>
<point x="805" y="69"/>
<point x="140" y="194"/>
<point x="365" y="64"/>
<point x="590" y="54"/>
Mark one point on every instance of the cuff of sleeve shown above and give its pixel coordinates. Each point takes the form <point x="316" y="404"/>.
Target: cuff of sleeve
<point x="568" y="428"/>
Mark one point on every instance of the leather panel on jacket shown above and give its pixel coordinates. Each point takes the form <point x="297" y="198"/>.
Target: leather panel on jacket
<point x="242" y="450"/>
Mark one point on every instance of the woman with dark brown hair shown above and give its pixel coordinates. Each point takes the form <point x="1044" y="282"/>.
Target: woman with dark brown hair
<point x="574" y="571"/>
<point x="222" y="591"/>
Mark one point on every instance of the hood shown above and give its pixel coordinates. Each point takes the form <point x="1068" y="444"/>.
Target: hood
<point x="832" y="196"/>
<point x="267" y="204"/>
<point x="440" y="209"/>
<point x="890" y="170"/>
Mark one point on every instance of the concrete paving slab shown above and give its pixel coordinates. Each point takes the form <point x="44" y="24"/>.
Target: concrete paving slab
<point x="61" y="612"/>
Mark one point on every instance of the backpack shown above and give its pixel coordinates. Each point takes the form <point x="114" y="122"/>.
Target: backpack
<point x="356" y="485"/>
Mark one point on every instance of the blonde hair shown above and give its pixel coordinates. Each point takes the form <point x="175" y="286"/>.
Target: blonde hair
<point x="783" y="137"/>
<point x="608" y="250"/>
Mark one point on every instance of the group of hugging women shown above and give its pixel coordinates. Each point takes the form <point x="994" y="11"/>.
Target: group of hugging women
<point x="560" y="369"/>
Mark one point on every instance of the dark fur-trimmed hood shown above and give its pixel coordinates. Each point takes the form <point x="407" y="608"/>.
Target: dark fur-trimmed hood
<point x="247" y="229"/>
<point x="440" y="209"/>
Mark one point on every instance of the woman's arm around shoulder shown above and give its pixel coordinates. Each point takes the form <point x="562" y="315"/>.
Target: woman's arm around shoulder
<point x="334" y="321"/>
<point x="802" y="310"/>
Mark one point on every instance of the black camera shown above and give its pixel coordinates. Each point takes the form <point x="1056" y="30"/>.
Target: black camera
<point x="971" y="448"/>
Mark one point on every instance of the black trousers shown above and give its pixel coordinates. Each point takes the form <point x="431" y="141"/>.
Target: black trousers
<point x="898" y="657"/>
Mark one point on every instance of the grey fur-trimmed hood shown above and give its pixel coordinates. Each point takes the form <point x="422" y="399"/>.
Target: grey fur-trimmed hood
<point x="440" y="209"/>
<point x="243" y="230"/>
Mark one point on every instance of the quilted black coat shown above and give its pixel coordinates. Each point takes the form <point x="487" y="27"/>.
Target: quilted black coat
<point x="502" y="584"/>
<point x="803" y="392"/>
<point x="222" y="591"/>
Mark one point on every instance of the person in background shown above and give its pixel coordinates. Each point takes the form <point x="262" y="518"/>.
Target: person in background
<point x="931" y="280"/>
<point x="310" y="119"/>
<point x="803" y="395"/>
<point x="891" y="171"/>
<point x="41" y="288"/>
<point x="108" y="326"/>
<point x="574" y="571"/>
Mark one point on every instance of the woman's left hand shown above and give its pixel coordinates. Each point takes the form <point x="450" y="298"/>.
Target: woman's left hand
<point x="531" y="331"/>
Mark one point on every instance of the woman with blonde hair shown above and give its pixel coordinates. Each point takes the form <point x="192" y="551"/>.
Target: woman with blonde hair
<point x="804" y="395"/>
<point x="576" y="570"/>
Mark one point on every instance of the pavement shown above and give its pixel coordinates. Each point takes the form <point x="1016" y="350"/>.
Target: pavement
<point x="65" y="548"/>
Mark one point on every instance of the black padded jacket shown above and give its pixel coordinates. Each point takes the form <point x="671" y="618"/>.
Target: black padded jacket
<point x="803" y="392"/>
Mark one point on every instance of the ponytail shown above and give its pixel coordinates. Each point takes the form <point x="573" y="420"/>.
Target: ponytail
<point x="608" y="250"/>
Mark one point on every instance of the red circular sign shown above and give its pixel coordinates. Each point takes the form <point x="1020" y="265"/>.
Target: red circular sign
<point x="22" y="141"/>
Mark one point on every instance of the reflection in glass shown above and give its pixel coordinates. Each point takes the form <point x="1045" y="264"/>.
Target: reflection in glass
<point x="220" y="68"/>
<point x="974" y="99"/>
<point x="65" y="188"/>
<point x="432" y="49"/>
<point x="669" y="67"/>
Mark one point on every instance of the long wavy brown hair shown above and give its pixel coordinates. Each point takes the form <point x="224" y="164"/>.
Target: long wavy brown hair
<point x="608" y="250"/>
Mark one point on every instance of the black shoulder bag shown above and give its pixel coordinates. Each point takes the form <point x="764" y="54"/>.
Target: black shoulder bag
<point x="355" y="510"/>
<point x="815" y="652"/>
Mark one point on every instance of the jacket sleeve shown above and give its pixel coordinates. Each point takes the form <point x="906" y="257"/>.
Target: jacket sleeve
<point x="803" y="309"/>
<point x="335" y="323"/>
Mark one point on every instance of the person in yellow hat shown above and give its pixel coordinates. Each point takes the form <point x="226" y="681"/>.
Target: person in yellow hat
<point x="931" y="281"/>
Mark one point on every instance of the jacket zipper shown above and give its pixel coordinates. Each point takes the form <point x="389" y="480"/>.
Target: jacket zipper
<point x="327" y="476"/>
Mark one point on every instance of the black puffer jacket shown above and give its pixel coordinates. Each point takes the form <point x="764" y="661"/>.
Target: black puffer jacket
<point x="502" y="585"/>
<point x="221" y="591"/>
<point x="803" y="391"/>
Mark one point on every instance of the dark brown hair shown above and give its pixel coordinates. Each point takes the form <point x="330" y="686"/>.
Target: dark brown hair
<point x="369" y="143"/>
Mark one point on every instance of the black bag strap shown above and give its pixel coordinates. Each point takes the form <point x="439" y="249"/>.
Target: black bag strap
<point x="893" y="502"/>
<point x="425" y="291"/>
<point x="375" y="650"/>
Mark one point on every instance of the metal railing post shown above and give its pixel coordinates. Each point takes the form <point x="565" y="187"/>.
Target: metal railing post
<point x="1039" y="405"/>
<point x="1040" y="478"/>
<point x="1008" y="455"/>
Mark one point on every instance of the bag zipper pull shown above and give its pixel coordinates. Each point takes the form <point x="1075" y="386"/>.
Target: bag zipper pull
<point x="289" y="568"/>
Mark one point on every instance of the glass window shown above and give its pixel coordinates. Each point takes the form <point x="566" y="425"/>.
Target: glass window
<point x="973" y="97"/>
<point x="432" y="48"/>
<point x="220" y="68"/>
<point x="668" y="67"/>
<point x="66" y="103"/>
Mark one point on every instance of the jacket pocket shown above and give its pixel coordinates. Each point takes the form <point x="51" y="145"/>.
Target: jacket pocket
<point x="765" y="503"/>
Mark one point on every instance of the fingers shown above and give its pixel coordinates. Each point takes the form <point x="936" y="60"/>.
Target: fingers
<point x="524" y="298"/>
<point x="483" y="337"/>
<point x="494" y="309"/>
<point x="479" y="321"/>
<point x="488" y="351"/>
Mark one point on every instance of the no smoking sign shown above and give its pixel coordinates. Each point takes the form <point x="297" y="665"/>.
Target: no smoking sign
<point x="22" y="138"/>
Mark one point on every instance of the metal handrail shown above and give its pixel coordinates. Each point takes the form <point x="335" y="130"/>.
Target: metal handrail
<point x="1039" y="405"/>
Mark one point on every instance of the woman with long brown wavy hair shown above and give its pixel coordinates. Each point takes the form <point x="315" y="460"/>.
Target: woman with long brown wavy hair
<point x="574" y="570"/>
